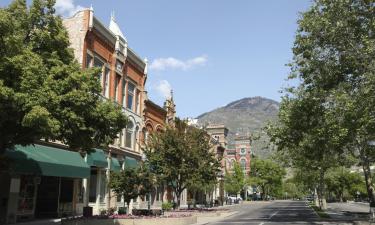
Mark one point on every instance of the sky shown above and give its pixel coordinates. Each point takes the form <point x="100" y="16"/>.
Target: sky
<point x="210" y="52"/>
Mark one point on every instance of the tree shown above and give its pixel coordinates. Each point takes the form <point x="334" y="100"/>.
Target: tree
<point x="181" y="155"/>
<point x="343" y="184"/>
<point x="331" y="112"/>
<point x="234" y="181"/>
<point x="44" y="93"/>
<point x="268" y="176"/>
<point x="131" y="183"/>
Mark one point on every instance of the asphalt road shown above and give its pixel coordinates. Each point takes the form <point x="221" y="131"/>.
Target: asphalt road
<point x="275" y="212"/>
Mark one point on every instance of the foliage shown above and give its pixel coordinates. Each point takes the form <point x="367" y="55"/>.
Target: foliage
<point x="167" y="206"/>
<point x="234" y="181"/>
<point x="130" y="183"/>
<point x="344" y="184"/>
<point x="180" y="156"/>
<point x="330" y="114"/>
<point x="44" y="93"/>
<point x="268" y="176"/>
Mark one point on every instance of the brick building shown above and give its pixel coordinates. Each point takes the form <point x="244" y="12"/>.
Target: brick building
<point x="240" y="153"/>
<point x="123" y="76"/>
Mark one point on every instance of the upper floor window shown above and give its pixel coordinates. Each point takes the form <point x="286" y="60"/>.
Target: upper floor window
<point x="117" y="84"/>
<point x="243" y="164"/>
<point x="123" y="92"/>
<point x="243" y="151"/>
<point x="129" y="135"/>
<point x="107" y="73"/>
<point x="98" y="63"/>
<point x="89" y="59"/>
<point x="131" y="89"/>
<point x="119" y="65"/>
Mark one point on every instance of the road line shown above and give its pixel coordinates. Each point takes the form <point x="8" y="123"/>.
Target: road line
<point x="273" y="214"/>
<point x="261" y="223"/>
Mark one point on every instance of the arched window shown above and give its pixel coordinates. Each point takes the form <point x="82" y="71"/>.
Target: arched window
<point x="232" y="163"/>
<point x="129" y="135"/>
<point x="135" y="144"/>
<point x="243" y="164"/>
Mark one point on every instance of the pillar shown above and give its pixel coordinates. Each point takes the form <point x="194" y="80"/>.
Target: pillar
<point x="14" y="190"/>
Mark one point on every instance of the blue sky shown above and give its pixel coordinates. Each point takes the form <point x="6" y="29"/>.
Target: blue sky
<point x="210" y="52"/>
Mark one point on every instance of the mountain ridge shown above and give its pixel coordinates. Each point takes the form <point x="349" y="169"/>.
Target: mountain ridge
<point x="246" y="116"/>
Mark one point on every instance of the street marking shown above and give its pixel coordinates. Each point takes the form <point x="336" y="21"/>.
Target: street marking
<point x="261" y="223"/>
<point x="273" y="214"/>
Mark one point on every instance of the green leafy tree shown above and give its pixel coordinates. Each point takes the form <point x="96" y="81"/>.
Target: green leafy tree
<point x="234" y="181"/>
<point x="268" y="176"/>
<point x="334" y="55"/>
<point x="131" y="183"/>
<point x="44" y="93"/>
<point x="341" y="181"/>
<point x="330" y="113"/>
<point x="181" y="155"/>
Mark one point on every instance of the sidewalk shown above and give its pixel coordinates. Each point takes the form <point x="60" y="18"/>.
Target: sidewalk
<point x="348" y="212"/>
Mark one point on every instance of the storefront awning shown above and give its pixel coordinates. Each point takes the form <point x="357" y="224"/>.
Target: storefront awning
<point x="43" y="160"/>
<point x="97" y="158"/>
<point x="131" y="163"/>
<point x="115" y="165"/>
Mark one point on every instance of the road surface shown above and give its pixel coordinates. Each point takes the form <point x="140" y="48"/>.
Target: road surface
<point x="275" y="212"/>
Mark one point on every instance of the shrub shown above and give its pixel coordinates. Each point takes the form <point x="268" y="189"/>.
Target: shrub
<point x="167" y="206"/>
<point x="121" y="210"/>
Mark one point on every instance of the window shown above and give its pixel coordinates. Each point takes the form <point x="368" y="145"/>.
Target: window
<point x="107" y="73"/>
<point x="123" y="93"/>
<point x="243" y="164"/>
<point x="137" y="109"/>
<point x="131" y="88"/>
<point x="98" y="63"/>
<point x="103" y="186"/>
<point x="88" y="60"/>
<point x="136" y="138"/>
<point x="93" y="181"/>
<point x="119" y="65"/>
<point x="129" y="135"/>
<point x="243" y="151"/>
<point x="117" y="83"/>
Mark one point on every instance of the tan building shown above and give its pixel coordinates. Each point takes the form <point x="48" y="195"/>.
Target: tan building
<point x="219" y="133"/>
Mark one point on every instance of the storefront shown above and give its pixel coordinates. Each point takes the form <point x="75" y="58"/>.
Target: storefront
<point x="43" y="181"/>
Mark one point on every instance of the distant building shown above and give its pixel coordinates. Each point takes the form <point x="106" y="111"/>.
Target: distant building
<point x="219" y="133"/>
<point x="240" y="153"/>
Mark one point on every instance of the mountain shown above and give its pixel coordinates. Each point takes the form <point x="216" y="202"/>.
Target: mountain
<point x="245" y="116"/>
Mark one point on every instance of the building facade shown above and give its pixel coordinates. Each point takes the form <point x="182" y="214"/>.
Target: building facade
<point x="240" y="153"/>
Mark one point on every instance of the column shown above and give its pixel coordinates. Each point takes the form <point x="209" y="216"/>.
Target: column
<point x="86" y="188"/>
<point x="98" y="180"/>
<point x="14" y="190"/>
<point x="108" y="175"/>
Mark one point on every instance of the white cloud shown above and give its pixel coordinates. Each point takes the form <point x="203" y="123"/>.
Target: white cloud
<point x="173" y="63"/>
<point x="164" y="88"/>
<point x="67" y="7"/>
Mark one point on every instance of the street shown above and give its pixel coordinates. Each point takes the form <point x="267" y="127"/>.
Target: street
<point x="275" y="212"/>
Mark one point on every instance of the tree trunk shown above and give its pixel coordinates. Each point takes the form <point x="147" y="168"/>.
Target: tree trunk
<point x="368" y="179"/>
<point x="128" y="208"/>
<point x="321" y="192"/>
<point x="178" y="196"/>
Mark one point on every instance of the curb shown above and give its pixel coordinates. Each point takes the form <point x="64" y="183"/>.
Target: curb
<point x="217" y="219"/>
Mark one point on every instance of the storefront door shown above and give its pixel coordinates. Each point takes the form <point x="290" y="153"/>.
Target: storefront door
<point x="47" y="198"/>
<point x="4" y="195"/>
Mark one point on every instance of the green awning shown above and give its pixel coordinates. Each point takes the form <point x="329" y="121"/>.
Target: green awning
<point x="43" y="160"/>
<point x="131" y="163"/>
<point x="97" y="158"/>
<point x="115" y="165"/>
